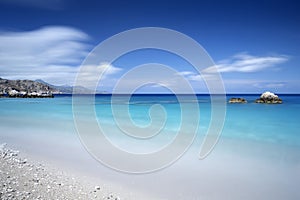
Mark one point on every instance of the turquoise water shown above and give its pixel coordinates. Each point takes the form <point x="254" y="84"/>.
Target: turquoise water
<point x="263" y="123"/>
<point x="257" y="157"/>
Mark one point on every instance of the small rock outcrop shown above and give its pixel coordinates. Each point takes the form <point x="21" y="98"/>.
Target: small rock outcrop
<point x="269" y="98"/>
<point x="237" y="100"/>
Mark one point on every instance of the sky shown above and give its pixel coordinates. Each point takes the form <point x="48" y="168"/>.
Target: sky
<point x="255" y="45"/>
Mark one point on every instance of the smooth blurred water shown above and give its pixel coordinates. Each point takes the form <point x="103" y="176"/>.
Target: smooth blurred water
<point x="257" y="141"/>
<point x="259" y="122"/>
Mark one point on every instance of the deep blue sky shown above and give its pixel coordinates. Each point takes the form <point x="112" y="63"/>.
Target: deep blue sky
<point x="255" y="29"/>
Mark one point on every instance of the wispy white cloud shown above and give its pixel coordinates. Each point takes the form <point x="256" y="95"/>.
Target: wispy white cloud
<point x="195" y="77"/>
<point x="254" y="84"/>
<point x="185" y="73"/>
<point x="272" y="84"/>
<point x="242" y="63"/>
<point x="90" y="74"/>
<point x="245" y="63"/>
<point x="53" y="54"/>
<point x="42" y="47"/>
<point x="192" y="76"/>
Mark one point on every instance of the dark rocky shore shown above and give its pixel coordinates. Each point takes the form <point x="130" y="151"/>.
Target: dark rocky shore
<point x="25" y="89"/>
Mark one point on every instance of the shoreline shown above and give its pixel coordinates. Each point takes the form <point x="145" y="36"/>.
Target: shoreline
<point x="247" y="166"/>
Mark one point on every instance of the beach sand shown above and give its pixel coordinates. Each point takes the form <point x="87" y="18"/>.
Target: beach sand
<point x="225" y="173"/>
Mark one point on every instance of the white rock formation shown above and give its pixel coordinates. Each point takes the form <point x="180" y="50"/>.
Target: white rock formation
<point x="269" y="98"/>
<point x="268" y="95"/>
<point x="13" y="92"/>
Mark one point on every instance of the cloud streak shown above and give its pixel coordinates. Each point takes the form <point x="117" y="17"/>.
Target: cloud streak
<point x="42" y="47"/>
<point x="242" y="62"/>
<point x="90" y="74"/>
<point x="53" y="54"/>
<point x="246" y="63"/>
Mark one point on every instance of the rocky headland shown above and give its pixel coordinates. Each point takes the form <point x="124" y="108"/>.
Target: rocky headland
<point x="36" y="89"/>
<point x="25" y="89"/>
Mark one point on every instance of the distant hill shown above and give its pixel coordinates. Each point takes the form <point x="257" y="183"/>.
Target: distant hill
<point x="66" y="89"/>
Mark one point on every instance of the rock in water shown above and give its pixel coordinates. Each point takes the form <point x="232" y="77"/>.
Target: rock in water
<point x="237" y="100"/>
<point x="269" y="98"/>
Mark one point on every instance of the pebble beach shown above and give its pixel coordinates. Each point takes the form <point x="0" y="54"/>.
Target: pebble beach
<point x="22" y="178"/>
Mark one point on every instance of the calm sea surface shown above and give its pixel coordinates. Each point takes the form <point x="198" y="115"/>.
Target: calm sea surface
<point x="257" y="157"/>
<point x="263" y="123"/>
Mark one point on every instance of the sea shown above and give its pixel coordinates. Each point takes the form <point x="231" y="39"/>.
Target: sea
<point x="256" y="153"/>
